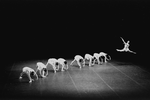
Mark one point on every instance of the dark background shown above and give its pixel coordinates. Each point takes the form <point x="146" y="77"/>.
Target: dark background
<point x="41" y="29"/>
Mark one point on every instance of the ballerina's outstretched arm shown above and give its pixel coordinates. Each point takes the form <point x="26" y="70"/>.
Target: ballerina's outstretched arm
<point x="123" y="40"/>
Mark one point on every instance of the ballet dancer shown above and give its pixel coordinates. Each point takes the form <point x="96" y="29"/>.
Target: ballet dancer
<point x="54" y="63"/>
<point x="41" y="67"/>
<point x="28" y="71"/>
<point x="63" y="63"/>
<point x="126" y="47"/>
<point x="78" y="59"/>
<point x="88" y="57"/>
<point x="105" y="55"/>
<point x="96" y="57"/>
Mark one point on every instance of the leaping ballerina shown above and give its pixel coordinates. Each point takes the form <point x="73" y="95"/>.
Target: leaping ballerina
<point x="126" y="47"/>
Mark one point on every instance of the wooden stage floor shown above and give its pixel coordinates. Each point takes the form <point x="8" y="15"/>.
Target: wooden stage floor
<point x="112" y="81"/>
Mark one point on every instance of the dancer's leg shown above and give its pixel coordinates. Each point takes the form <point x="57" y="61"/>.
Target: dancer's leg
<point x="90" y="62"/>
<point x="72" y="62"/>
<point x="79" y="64"/>
<point x="21" y="75"/>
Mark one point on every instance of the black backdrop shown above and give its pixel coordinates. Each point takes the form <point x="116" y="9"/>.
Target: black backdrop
<point x="42" y="29"/>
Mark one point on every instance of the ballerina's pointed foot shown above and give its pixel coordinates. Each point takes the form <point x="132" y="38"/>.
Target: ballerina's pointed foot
<point x="43" y="76"/>
<point x="31" y="80"/>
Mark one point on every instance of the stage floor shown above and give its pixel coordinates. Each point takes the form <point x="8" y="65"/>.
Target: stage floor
<point x="112" y="80"/>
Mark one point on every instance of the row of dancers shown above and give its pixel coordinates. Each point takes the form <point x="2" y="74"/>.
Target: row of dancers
<point x="42" y="68"/>
<point x="100" y="58"/>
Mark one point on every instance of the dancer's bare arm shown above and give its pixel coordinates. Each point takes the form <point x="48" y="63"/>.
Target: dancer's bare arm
<point x="123" y="40"/>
